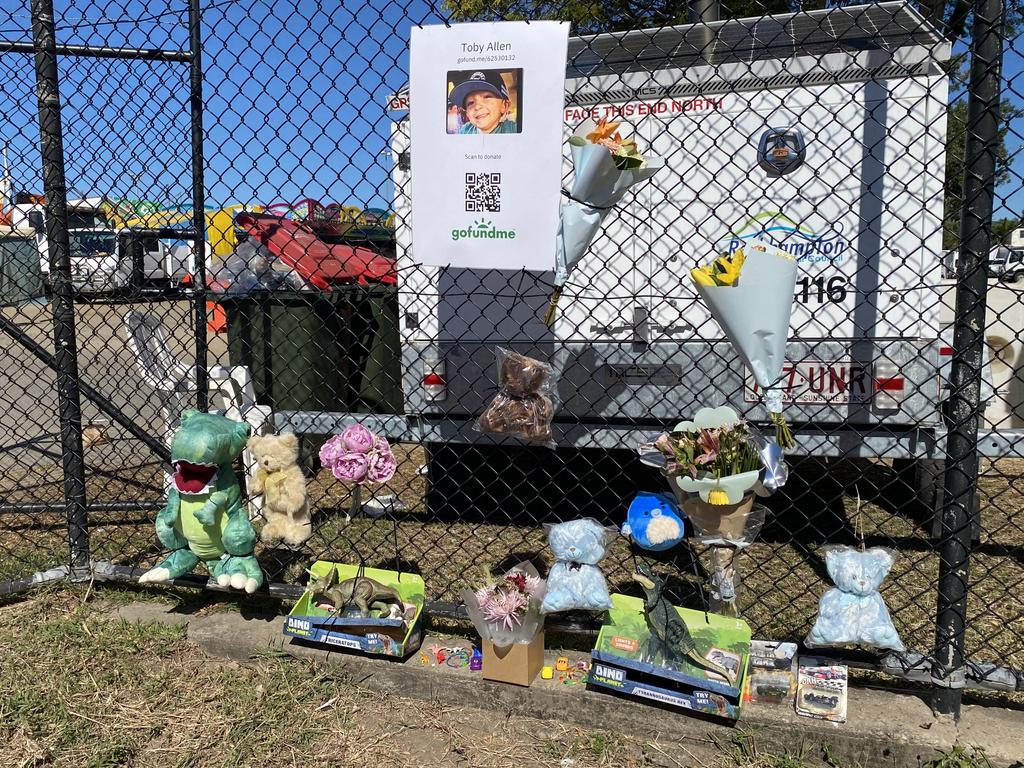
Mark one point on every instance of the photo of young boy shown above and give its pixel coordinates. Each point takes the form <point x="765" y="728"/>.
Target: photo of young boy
<point x="484" y="101"/>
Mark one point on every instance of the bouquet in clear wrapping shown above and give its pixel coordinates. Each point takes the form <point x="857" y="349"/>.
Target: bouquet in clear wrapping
<point x="506" y="609"/>
<point x="716" y="464"/>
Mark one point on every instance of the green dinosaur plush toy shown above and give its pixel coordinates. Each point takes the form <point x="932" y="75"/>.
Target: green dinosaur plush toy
<point x="204" y="518"/>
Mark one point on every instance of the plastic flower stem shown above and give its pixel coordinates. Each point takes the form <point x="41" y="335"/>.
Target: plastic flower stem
<point x="357" y="501"/>
<point x="782" y="434"/>
<point x="549" y="316"/>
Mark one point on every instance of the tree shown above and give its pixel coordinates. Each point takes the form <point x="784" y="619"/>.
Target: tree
<point x="1001" y="228"/>
<point x="956" y="139"/>
<point x="593" y="16"/>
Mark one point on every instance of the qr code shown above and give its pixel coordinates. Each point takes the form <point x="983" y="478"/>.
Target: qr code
<point x="483" y="192"/>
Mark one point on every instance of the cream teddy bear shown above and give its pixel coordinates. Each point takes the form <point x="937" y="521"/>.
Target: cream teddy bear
<point x="283" y="487"/>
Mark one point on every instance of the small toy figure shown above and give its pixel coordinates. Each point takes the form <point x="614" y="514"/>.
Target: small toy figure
<point x="669" y="640"/>
<point x="364" y="592"/>
<point x="476" y="661"/>
<point x="283" y="485"/>
<point x="204" y="518"/>
<point x="562" y="664"/>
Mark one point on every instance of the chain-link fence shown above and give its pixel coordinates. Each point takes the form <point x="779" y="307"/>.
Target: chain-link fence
<point x="879" y="144"/>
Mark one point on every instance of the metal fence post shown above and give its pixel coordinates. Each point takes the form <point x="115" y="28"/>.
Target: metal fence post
<point x="198" y="199"/>
<point x="65" y="346"/>
<point x="969" y="337"/>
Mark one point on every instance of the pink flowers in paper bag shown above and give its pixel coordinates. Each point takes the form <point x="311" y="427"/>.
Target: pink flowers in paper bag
<point x="359" y="456"/>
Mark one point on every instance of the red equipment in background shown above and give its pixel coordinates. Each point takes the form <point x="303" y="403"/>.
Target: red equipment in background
<point x="321" y="264"/>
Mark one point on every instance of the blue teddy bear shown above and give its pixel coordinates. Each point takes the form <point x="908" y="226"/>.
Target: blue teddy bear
<point x="575" y="582"/>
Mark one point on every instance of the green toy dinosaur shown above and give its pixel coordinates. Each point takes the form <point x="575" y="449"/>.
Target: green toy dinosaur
<point x="364" y="592"/>
<point x="204" y="518"/>
<point x="669" y="639"/>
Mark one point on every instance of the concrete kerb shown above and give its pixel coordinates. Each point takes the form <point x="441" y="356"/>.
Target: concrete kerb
<point x="884" y="728"/>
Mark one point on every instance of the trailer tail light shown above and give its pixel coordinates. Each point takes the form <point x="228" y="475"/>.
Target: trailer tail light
<point x="434" y="385"/>
<point x="890" y="386"/>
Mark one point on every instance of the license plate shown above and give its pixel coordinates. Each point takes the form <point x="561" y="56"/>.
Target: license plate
<point x="814" y="381"/>
<point x="637" y="375"/>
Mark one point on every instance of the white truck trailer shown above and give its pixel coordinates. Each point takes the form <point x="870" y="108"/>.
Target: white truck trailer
<point x="823" y="131"/>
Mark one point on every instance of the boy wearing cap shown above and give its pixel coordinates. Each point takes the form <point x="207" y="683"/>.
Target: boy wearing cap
<point x="484" y="99"/>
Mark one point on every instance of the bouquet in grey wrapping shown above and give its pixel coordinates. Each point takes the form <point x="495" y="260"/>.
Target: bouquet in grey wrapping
<point x="604" y="168"/>
<point x="750" y="295"/>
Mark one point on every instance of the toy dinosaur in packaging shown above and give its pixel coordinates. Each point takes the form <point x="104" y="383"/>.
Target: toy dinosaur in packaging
<point x="204" y="518"/>
<point x="670" y="640"/>
<point x="363" y="592"/>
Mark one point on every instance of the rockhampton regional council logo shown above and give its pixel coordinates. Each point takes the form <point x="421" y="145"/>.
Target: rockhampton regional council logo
<point x="800" y="241"/>
<point x="483" y="229"/>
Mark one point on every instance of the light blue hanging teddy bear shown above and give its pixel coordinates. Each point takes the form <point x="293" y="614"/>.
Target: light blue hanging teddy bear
<point x="575" y="582"/>
<point x="853" y="612"/>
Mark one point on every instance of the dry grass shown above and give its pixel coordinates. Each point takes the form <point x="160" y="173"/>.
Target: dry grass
<point x="78" y="688"/>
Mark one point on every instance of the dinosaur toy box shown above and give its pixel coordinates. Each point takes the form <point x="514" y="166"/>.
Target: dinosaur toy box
<point x="633" y="661"/>
<point x="369" y="610"/>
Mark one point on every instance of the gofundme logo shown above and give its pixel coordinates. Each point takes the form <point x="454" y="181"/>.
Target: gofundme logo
<point x="482" y="229"/>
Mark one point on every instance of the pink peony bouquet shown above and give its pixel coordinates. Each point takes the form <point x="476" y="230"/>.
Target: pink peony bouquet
<point x="358" y="456"/>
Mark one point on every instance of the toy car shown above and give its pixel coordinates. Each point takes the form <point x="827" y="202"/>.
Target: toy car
<point x="772" y="691"/>
<point x="820" y="700"/>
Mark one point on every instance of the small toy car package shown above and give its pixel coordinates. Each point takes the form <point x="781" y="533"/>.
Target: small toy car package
<point x="771" y="676"/>
<point x="821" y="690"/>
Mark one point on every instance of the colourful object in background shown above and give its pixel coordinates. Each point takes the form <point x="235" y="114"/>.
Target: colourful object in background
<point x="321" y="264"/>
<point x="218" y="318"/>
<point x="547" y="673"/>
<point x="336" y="220"/>
<point x="476" y="662"/>
<point x="562" y="663"/>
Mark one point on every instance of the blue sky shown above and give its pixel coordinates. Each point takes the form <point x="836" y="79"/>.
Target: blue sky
<point x="295" y="101"/>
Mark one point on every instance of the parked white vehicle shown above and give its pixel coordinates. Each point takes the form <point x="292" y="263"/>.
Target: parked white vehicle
<point x="1016" y="238"/>
<point x="1006" y="263"/>
<point x="105" y="258"/>
<point x="821" y="131"/>
<point x="838" y="158"/>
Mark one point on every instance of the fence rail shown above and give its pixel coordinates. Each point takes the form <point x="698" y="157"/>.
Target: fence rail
<point x="156" y="126"/>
